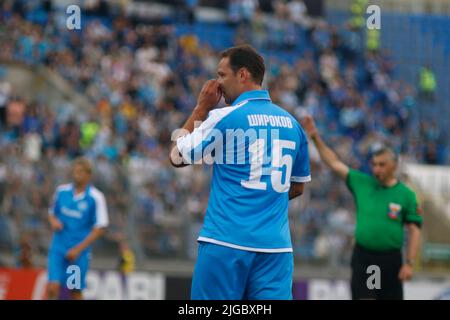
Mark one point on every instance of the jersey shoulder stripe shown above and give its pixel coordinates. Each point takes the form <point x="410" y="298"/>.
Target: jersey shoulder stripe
<point x="101" y="211"/>
<point x="189" y="142"/>
<point x="64" y="187"/>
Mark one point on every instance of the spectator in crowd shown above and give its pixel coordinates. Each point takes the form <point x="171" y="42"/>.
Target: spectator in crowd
<point x="127" y="259"/>
<point x="427" y="84"/>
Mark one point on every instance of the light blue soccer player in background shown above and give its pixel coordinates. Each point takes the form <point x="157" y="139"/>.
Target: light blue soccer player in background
<point x="245" y="249"/>
<point x="78" y="217"/>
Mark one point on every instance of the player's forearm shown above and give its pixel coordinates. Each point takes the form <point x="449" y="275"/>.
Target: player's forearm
<point x="294" y="194"/>
<point x="296" y="190"/>
<point x="198" y="114"/>
<point x="55" y="224"/>
<point x="413" y="242"/>
<point x="92" y="236"/>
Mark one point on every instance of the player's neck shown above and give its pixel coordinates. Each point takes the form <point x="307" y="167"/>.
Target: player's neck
<point x="251" y="87"/>
<point x="80" y="188"/>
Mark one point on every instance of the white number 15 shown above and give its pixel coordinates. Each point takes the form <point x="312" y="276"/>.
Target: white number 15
<point x="278" y="161"/>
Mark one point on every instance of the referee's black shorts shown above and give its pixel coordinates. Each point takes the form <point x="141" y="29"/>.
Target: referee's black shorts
<point x="389" y="262"/>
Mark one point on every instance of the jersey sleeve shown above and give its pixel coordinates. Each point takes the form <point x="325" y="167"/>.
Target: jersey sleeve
<point x="101" y="211"/>
<point x="301" y="169"/>
<point x="54" y="205"/>
<point x="357" y="179"/>
<point x="202" y="140"/>
<point x="413" y="212"/>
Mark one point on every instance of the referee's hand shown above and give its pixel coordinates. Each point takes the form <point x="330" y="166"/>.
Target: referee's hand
<point x="308" y="124"/>
<point x="406" y="272"/>
<point x="209" y="96"/>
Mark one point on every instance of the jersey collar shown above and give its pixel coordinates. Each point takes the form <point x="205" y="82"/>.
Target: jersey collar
<point x="252" y="95"/>
<point x="80" y="195"/>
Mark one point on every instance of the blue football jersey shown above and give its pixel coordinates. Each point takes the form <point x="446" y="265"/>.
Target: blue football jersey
<point x="256" y="149"/>
<point x="79" y="214"/>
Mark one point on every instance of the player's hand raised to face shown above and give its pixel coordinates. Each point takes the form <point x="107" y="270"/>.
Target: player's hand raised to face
<point x="308" y="124"/>
<point x="210" y="96"/>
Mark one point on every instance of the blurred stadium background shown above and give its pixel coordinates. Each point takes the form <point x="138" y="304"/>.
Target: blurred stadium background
<point x="116" y="89"/>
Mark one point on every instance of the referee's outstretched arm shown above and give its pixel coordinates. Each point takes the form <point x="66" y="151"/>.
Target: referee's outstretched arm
<point x="326" y="154"/>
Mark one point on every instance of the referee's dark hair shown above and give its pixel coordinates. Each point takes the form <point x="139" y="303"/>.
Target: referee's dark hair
<point x="245" y="56"/>
<point x="385" y="149"/>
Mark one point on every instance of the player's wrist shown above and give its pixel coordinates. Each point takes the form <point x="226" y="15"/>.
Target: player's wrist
<point x="201" y="111"/>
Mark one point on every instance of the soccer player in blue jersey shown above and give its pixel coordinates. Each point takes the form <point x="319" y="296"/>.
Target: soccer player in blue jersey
<point x="260" y="162"/>
<point x="78" y="217"/>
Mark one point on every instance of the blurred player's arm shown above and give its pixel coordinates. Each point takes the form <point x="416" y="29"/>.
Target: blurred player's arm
<point x="296" y="190"/>
<point x="327" y="155"/>
<point x="55" y="224"/>
<point x="74" y="252"/>
<point x="209" y="97"/>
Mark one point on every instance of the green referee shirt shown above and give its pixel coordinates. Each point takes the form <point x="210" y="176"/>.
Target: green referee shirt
<point x="381" y="211"/>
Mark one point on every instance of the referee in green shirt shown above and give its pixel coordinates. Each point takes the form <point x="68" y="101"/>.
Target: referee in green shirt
<point x="383" y="206"/>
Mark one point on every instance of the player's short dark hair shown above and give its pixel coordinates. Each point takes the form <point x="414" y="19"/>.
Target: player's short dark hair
<point x="245" y="56"/>
<point x="385" y="149"/>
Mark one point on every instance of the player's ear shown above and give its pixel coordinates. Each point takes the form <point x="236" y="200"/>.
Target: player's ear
<point x="242" y="74"/>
